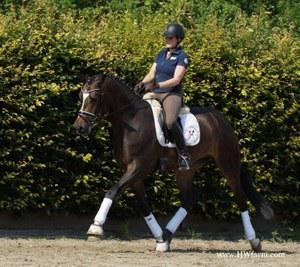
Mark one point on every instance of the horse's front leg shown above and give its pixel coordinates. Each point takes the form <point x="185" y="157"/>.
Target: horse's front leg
<point x="184" y="181"/>
<point x="96" y="229"/>
<point x="139" y="191"/>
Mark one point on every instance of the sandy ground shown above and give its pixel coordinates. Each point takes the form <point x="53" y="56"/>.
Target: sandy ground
<point x="62" y="248"/>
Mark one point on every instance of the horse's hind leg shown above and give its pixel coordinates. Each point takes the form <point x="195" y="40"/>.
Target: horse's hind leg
<point x="229" y="164"/>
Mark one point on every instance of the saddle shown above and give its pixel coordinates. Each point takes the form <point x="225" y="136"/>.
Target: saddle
<point x="187" y="121"/>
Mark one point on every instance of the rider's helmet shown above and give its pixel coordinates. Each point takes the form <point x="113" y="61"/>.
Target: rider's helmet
<point x="174" y="30"/>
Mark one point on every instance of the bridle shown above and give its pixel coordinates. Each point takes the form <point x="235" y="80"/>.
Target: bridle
<point x="88" y="117"/>
<point x="91" y="118"/>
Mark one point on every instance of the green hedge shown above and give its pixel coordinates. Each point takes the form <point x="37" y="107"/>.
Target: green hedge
<point x="244" y="66"/>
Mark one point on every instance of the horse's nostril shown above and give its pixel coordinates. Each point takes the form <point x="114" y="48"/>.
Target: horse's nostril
<point x="79" y="129"/>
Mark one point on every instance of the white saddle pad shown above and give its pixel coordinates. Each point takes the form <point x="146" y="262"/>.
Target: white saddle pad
<point x="190" y="125"/>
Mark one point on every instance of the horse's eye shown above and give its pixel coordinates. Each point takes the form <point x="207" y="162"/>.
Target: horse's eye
<point x="94" y="95"/>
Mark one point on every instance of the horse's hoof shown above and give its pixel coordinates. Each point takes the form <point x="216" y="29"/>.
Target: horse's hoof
<point x="255" y="244"/>
<point x="95" y="232"/>
<point x="162" y="246"/>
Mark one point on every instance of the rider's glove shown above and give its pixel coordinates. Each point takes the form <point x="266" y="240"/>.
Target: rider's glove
<point x="139" y="88"/>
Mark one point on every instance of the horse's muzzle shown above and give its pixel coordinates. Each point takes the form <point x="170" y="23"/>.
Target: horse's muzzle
<point x="83" y="131"/>
<point x="81" y="126"/>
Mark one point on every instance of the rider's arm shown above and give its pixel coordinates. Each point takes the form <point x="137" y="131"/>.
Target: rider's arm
<point x="151" y="74"/>
<point x="178" y="76"/>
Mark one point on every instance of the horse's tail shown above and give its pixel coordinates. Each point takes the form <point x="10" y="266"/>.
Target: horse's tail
<point x="259" y="203"/>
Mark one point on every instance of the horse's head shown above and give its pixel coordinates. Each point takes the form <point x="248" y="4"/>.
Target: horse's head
<point x="92" y="104"/>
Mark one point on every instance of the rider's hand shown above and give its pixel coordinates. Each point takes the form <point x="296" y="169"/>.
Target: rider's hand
<point x="150" y="86"/>
<point x="139" y="88"/>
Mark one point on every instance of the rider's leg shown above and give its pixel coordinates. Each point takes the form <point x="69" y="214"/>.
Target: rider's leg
<point x="172" y="104"/>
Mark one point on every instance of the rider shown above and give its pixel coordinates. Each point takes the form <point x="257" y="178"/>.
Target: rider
<point x="165" y="77"/>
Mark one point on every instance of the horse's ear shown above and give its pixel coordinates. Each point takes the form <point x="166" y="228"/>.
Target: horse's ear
<point x="101" y="76"/>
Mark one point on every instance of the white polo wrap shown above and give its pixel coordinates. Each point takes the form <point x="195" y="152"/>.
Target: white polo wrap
<point x="102" y="213"/>
<point x="154" y="226"/>
<point x="248" y="228"/>
<point x="176" y="220"/>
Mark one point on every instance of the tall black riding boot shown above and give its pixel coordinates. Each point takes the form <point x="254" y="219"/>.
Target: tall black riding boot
<point x="184" y="160"/>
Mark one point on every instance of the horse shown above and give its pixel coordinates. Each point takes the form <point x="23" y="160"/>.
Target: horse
<point x="139" y="154"/>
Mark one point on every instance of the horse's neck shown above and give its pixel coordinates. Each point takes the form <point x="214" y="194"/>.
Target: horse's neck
<point x="120" y="100"/>
<point x="118" y="96"/>
<point x="123" y="105"/>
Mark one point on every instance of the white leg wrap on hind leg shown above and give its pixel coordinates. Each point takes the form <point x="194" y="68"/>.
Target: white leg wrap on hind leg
<point x="248" y="228"/>
<point x="102" y="213"/>
<point x="154" y="227"/>
<point x="176" y="220"/>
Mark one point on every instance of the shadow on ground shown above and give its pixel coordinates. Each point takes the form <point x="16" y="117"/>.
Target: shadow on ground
<point x="75" y="227"/>
<point x="127" y="235"/>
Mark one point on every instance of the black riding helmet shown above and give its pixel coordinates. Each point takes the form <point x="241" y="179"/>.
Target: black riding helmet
<point x="174" y="30"/>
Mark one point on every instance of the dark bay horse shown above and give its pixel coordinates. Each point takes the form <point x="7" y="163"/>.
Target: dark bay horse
<point x="139" y="154"/>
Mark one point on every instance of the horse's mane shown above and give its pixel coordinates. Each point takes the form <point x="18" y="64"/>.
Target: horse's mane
<point x="121" y="84"/>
